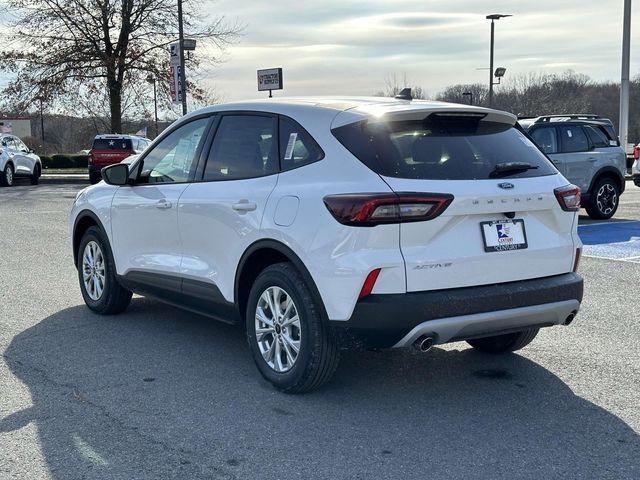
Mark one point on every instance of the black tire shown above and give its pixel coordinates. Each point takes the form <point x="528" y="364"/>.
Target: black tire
<point x="114" y="298"/>
<point x="604" y="199"/>
<point x="504" y="343"/>
<point x="7" y="176"/>
<point x="35" y="178"/>
<point x="93" y="178"/>
<point x="318" y="355"/>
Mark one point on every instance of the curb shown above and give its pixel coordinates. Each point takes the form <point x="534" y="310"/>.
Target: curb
<point x="78" y="179"/>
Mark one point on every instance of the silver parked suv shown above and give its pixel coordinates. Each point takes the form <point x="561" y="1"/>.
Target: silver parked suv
<point x="586" y="150"/>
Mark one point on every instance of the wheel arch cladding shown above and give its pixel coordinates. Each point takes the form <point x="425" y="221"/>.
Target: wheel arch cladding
<point x="607" y="172"/>
<point x="259" y="256"/>
<point x="84" y="221"/>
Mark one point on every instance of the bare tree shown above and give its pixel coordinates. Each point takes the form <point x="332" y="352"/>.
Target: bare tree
<point x="94" y="53"/>
<point x="456" y="93"/>
<point x="393" y="85"/>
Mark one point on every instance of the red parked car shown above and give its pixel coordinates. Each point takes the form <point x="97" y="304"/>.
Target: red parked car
<point x="110" y="149"/>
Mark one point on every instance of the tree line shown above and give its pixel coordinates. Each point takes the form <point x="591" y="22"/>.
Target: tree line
<point x="537" y="94"/>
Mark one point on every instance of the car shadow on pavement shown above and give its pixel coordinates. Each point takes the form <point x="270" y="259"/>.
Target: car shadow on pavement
<point x="160" y="393"/>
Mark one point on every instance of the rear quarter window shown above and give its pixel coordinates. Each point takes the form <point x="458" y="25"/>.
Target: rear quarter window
<point x="442" y="147"/>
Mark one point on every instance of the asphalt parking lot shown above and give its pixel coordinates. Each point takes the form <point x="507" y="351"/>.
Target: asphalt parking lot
<point x="157" y="393"/>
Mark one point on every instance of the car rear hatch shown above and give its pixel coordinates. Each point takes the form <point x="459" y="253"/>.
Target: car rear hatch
<point x="107" y="151"/>
<point x="504" y="222"/>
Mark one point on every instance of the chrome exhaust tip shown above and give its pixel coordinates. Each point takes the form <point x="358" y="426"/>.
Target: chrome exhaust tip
<point x="423" y="343"/>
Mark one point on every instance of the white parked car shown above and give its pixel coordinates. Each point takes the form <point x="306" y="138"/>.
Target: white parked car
<point x="319" y="224"/>
<point x="17" y="160"/>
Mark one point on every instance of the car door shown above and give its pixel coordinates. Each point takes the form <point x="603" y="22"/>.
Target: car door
<point x="23" y="159"/>
<point x="605" y="150"/>
<point x="9" y="143"/>
<point x="576" y="155"/>
<point x="144" y="216"/>
<point x="546" y="138"/>
<point x="220" y="216"/>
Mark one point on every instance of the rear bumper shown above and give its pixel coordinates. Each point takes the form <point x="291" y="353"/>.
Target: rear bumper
<point x="396" y="320"/>
<point x="94" y="170"/>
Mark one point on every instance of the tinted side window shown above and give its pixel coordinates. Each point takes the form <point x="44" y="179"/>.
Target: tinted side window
<point x="297" y="147"/>
<point x="172" y="159"/>
<point x="598" y="138"/>
<point x="9" y="143"/>
<point x="573" y="139"/>
<point x="546" y="138"/>
<point x="244" y="147"/>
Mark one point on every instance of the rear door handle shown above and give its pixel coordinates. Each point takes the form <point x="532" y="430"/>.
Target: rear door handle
<point x="244" y="206"/>
<point x="163" y="204"/>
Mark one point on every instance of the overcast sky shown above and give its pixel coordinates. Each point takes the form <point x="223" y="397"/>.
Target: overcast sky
<point x="350" y="46"/>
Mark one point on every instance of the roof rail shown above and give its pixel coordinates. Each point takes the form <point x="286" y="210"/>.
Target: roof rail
<point x="569" y="116"/>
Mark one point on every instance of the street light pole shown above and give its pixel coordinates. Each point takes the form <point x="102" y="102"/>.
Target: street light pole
<point x="44" y="149"/>
<point x="624" y="77"/>
<point x="491" y="64"/>
<point x="152" y="79"/>
<point x="493" y="17"/>
<point x="183" y="77"/>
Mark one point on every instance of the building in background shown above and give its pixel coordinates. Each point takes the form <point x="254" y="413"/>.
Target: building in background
<point x="18" y="126"/>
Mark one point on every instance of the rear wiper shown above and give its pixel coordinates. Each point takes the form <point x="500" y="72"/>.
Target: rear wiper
<point x="506" y="168"/>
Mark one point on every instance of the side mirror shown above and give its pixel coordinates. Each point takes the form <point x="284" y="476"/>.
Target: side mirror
<point x="117" y="174"/>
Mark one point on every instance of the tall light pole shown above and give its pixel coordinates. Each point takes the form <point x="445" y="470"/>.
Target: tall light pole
<point x="44" y="149"/>
<point x="152" y="79"/>
<point x="493" y="17"/>
<point x="624" y="78"/>
<point x="183" y="77"/>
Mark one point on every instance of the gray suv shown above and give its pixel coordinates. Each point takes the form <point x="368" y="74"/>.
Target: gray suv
<point x="586" y="150"/>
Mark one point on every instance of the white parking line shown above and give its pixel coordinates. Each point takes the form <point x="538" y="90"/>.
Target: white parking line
<point x="605" y="223"/>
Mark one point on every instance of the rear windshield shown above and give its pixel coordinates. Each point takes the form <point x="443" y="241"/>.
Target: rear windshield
<point x="112" y="144"/>
<point x="444" y="147"/>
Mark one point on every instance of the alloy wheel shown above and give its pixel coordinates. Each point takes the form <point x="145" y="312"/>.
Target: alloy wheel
<point x="93" y="270"/>
<point x="606" y="199"/>
<point x="9" y="175"/>
<point x="278" y="330"/>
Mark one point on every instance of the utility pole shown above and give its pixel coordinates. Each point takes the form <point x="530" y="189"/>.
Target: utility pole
<point x="624" y="78"/>
<point x="183" y="77"/>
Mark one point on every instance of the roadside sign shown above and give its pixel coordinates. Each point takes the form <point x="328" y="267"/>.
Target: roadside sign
<point x="270" y="79"/>
<point x="175" y="86"/>
<point x="189" y="44"/>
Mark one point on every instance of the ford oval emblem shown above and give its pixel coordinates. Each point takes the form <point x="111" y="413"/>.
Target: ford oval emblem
<point x="506" y="185"/>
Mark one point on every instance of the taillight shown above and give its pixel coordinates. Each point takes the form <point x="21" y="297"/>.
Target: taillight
<point x="576" y="261"/>
<point x="568" y="197"/>
<point x="370" y="209"/>
<point x="636" y="152"/>
<point x="90" y="159"/>
<point x="369" y="282"/>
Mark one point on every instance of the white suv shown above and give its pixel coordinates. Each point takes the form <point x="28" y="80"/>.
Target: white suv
<point x="323" y="223"/>
<point x="17" y="160"/>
